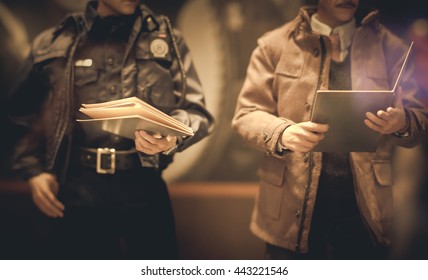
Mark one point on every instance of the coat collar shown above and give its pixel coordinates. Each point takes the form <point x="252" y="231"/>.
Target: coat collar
<point x="363" y="18"/>
<point x="79" y="22"/>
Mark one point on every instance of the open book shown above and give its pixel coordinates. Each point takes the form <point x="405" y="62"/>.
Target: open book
<point x="344" y="111"/>
<point x="122" y="117"/>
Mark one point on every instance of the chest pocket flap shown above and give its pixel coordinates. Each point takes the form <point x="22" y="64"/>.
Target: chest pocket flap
<point x="374" y="62"/>
<point x="291" y="62"/>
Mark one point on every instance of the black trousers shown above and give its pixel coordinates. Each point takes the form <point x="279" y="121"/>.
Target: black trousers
<point x="126" y="215"/>
<point x="337" y="229"/>
<point x="347" y="239"/>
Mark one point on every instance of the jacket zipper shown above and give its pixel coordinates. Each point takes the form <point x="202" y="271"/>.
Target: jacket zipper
<point x="311" y="163"/>
<point x="69" y="124"/>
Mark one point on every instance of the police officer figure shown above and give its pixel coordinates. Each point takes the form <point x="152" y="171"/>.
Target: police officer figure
<point x="107" y="191"/>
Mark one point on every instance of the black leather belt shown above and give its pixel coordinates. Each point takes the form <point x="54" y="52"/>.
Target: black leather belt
<point x="107" y="161"/>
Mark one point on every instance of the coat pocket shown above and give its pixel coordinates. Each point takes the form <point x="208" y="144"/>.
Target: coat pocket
<point x="383" y="175"/>
<point x="377" y="75"/>
<point x="148" y="47"/>
<point x="162" y="98"/>
<point x="272" y="170"/>
<point x="290" y="63"/>
<point x="270" y="194"/>
<point x="383" y="172"/>
<point x="270" y="200"/>
<point x="84" y="76"/>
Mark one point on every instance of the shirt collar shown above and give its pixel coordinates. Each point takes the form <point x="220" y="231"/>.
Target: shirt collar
<point x="345" y="31"/>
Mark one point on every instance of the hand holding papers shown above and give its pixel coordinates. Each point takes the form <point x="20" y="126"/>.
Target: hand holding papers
<point x="124" y="116"/>
<point x="345" y="112"/>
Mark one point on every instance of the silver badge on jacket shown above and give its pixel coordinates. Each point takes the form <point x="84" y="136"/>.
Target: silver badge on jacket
<point x="159" y="48"/>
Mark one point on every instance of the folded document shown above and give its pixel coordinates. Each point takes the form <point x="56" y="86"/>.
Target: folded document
<point x="122" y="117"/>
<point x="345" y="112"/>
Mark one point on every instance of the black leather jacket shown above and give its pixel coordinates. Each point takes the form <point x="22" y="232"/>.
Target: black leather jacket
<point x="43" y="97"/>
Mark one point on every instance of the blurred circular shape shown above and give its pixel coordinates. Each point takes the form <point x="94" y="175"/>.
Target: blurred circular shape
<point x="418" y="32"/>
<point x="16" y="40"/>
<point x="420" y="27"/>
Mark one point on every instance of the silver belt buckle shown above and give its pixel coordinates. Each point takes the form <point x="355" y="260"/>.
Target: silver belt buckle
<point x="106" y="151"/>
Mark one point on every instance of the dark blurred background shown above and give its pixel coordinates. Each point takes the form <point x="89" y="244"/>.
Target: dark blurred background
<point x="212" y="184"/>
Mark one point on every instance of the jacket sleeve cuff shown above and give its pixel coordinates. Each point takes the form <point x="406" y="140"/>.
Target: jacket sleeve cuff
<point x="28" y="173"/>
<point x="410" y="136"/>
<point x="272" y="134"/>
<point x="174" y="149"/>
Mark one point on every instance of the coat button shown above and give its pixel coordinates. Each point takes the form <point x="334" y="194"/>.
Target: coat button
<point x="306" y="157"/>
<point x="298" y="213"/>
<point x="110" y="61"/>
<point x="265" y="136"/>
<point x="141" y="89"/>
<point x="316" y="52"/>
<point x="307" y="106"/>
<point x="112" y="89"/>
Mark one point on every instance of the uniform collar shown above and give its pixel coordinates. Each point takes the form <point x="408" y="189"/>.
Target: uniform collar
<point x="79" y="22"/>
<point x="90" y="14"/>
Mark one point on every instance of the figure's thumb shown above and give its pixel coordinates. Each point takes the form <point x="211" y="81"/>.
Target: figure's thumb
<point x="397" y="101"/>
